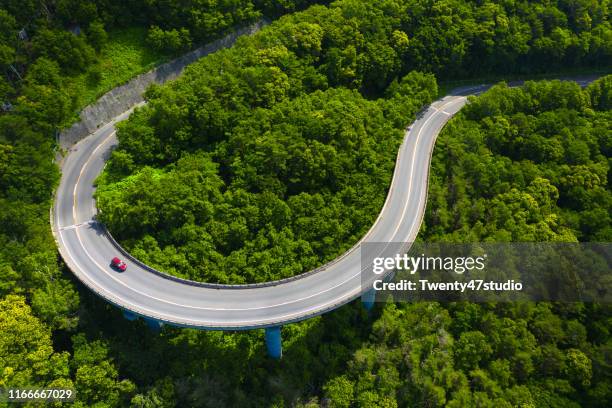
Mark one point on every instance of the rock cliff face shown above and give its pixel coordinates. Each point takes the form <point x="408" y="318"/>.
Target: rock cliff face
<point x="123" y="97"/>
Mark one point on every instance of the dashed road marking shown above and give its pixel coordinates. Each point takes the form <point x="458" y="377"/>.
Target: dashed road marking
<point x="73" y="226"/>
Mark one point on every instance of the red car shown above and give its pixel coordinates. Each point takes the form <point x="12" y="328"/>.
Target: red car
<point x="118" y="264"/>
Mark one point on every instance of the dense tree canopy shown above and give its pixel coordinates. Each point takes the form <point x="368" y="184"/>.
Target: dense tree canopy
<point x="291" y="187"/>
<point x="507" y="168"/>
<point x="470" y="354"/>
<point x="358" y="45"/>
<point x="525" y="164"/>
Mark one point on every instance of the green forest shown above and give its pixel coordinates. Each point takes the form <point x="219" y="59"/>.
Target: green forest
<point x="279" y="152"/>
<point x="311" y="182"/>
<point x="525" y="164"/>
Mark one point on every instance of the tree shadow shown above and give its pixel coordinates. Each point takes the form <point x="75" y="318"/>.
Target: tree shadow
<point x="212" y="368"/>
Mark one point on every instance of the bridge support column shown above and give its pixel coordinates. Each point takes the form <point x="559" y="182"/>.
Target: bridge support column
<point x="129" y="315"/>
<point x="274" y="342"/>
<point x="153" y="325"/>
<point x="367" y="298"/>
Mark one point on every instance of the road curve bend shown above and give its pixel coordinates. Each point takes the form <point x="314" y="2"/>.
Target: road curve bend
<point x="87" y="249"/>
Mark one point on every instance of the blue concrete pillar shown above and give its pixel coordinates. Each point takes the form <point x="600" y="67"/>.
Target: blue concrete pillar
<point x="367" y="298"/>
<point x="274" y="342"/>
<point x="153" y="325"/>
<point x="129" y="315"/>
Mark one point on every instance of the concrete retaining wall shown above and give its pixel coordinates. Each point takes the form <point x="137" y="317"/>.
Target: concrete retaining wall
<point x="123" y="97"/>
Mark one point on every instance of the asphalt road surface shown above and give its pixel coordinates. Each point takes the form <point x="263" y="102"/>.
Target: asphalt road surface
<point x="87" y="249"/>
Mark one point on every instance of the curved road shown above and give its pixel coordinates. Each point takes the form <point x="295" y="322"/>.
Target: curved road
<point x="87" y="249"/>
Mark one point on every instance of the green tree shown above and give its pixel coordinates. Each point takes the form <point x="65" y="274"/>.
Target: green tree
<point x="96" y="35"/>
<point x="26" y="350"/>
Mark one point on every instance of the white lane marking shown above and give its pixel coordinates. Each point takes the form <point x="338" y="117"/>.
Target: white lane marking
<point x="84" y="277"/>
<point x="299" y="314"/>
<point x="74" y="191"/>
<point x="109" y="295"/>
<point x="318" y="307"/>
<point x="410" y="234"/>
<point x="312" y="295"/>
<point x="74" y="226"/>
<point x="418" y="136"/>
